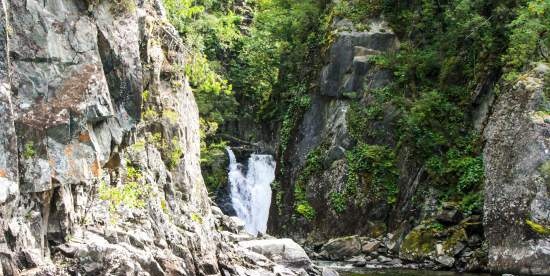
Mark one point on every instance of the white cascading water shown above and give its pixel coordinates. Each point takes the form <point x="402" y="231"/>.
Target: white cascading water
<point x="251" y="193"/>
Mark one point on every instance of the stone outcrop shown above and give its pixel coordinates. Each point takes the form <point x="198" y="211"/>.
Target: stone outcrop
<point x="99" y="148"/>
<point x="348" y="73"/>
<point x="517" y="162"/>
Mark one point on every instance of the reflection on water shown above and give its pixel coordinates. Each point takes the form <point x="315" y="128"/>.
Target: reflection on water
<point x="404" y="272"/>
<point x="346" y="269"/>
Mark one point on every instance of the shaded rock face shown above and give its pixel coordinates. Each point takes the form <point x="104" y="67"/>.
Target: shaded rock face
<point x="347" y="73"/>
<point x="99" y="147"/>
<point x="517" y="201"/>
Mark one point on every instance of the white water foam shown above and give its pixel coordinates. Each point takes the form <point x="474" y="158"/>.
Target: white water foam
<point x="251" y="193"/>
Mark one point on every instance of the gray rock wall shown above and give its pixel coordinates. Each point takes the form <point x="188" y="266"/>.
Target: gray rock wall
<point x="99" y="147"/>
<point x="344" y="79"/>
<point x="516" y="156"/>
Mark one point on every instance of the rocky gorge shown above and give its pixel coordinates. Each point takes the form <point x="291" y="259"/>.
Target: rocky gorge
<point x="399" y="134"/>
<point x="99" y="152"/>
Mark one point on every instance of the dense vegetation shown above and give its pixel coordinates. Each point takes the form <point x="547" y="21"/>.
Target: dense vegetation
<point x="257" y="60"/>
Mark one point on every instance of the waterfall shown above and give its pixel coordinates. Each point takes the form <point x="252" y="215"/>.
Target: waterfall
<point x="251" y="193"/>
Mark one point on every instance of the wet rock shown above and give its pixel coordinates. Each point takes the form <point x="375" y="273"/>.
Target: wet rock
<point x="384" y="259"/>
<point x="446" y="261"/>
<point x="358" y="261"/>
<point x="329" y="272"/>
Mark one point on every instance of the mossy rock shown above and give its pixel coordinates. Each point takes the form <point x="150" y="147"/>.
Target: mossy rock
<point x="540" y="229"/>
<point x="419" y="244"/>
<point x="455" y="243"/>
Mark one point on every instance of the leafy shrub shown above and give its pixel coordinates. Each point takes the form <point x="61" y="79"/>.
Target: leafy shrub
<point x="338" y="202"/>
<point x="375" y="164"/>
<point x="29" y="151"/>
<point x="175" y="154"/>
<point x="302" y="206"/>
<point x="529" y="37"/>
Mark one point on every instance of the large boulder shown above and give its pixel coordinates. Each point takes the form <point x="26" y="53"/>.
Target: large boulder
<point x="282" y="251"/>
<point x="517" y="177"/>
<point x="342" y="248"/>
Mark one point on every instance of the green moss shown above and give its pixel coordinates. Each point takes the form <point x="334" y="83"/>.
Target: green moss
<point x="418" y="244"/>
<point x="149" y="114"/>
<point x="471" y="202"/>
<point x="197" y="218"/>
<point x="29" y="151"/>
<point x="451" y="242"/>
<point x="133" y="173"/>
<point x="538" y="228"/>
<point x="145" y="95"/>
<point x="164" y="206"/>
<point x="138" y="146"/>
<point x="132" y="195"/>
<point x="175" y="154"/>
<point x="171" y="115"/>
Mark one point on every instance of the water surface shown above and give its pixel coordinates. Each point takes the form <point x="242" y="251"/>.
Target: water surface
<point x="346" y="269"/>
<point x="403" y="272"/>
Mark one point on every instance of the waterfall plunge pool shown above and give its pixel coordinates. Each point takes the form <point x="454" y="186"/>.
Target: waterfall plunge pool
<point x="250" y="189"/>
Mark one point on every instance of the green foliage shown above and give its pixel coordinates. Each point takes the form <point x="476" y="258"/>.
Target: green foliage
<point x="271" y="66"/>
<point x="132" y="194"/>
<point x="375" y="166"/>
<point x="302" y="206"/>
<point x="171" y="115"/>
<point x="175" y="154"/>
<point x="133" y="173"/>
<point x="145" y="95"/>
<point x="529" y="38"/>
<point x="138" y="146"/>
<point x="304" y="209"/>
<point x="296" y="109"/>
<point x="313" y="165"/>
<point x="149" y="114"/>
<point x="358" y="11"/>
<point x="210" y="29"/>
<point x="437" y="226"/>
<point x="29" y="151"/>
<point x="472" y="202"/>
<point x="338" y="202"/>
<point x="214" y="165"/>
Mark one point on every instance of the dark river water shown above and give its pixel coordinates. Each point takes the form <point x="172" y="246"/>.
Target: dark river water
<point x="403" y="272"/>
<point x="348" y="270"/>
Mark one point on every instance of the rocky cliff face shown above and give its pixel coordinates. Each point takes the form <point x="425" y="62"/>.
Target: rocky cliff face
<point x="99" y="152"/>
<point x="517" y="201"/>
<point x="415" y="226"/>
<point x="345" y="77"/>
